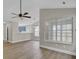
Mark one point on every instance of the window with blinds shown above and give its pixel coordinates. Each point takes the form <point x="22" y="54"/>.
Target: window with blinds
<point x="61" y="31"/>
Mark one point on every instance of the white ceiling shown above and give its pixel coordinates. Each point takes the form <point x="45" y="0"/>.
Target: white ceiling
<point x="38" y="3"/>
<point x="33" y="6"/>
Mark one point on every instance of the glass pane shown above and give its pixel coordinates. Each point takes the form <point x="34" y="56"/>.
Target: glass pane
<point x="64" y="39"/>
<point x="63" y="35"/>
<point x="69" y="35"/>
<point x="22" y="28"/>
<point x="54" y="38"/>
<point x="36" y="28"/>
<point x="69" y="26"/>
<point x="54" y="27"/>
<point x="69" y="39"/>
<point x="58" y="27"/>
<point x="58" y="31"/>
<point x="69" y="32"/>
<point x="58" y="34"/>
<point x="58" y="38"/>
<point x="54" y="33"/>
<point x="64" y="32"/>
<point x="64" y="27"/>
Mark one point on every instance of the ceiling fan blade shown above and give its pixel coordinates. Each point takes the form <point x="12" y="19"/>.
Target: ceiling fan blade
<point x="14" y="13"/>
<point x="21" y="15"/>
<point x="27" y="16"/>
<point x="15" y="17"/>
<point x="25" y="13"/>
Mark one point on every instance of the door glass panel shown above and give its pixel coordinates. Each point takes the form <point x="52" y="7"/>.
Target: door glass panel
<point x="69" y="35"/>
<point x="64" y="32"/>
<point x="64" y="39"/>
<point x="54" y="33"/>
<point x="54" y="38"/>
<point x="63" y="35"/>
<point x="59" y="38"/>
<point x="58" y="27"/>
<point x="64" y="27"/>
<point x="69" y="32"/>
<point x="69" y="26"/>
<point x="69" y="39"/>
<point x="54" y="27"/>
<point x="58" y="34"/>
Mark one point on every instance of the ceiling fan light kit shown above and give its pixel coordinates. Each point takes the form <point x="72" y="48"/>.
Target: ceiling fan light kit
<point x="21" y="15"/>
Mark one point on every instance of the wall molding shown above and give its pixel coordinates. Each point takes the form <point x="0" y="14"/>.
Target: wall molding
<point x="59" y="50"/>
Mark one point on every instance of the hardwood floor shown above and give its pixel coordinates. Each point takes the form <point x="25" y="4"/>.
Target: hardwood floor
<point x="31" y="50"/>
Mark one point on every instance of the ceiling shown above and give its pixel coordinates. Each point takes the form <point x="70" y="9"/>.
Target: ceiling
<point x="38" y="3"/>
<point x="32" y="6"/>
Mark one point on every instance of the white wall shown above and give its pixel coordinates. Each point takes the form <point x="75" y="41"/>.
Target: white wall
<point x="4" y="31"/>
<point x="5" y="26"/>
<point x="50" y="14"/>
<point x="15" y="35"/>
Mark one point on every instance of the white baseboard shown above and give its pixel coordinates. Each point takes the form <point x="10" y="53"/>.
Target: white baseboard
<point x="59" y="50"/>
<point x="18" y="41"/>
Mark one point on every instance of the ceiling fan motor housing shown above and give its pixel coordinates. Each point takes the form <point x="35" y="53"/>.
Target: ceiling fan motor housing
<point x="20" y="15"/>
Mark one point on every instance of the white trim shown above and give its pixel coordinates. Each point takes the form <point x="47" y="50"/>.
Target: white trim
<point x="18" y="41"/>
<point x="59" y="50"/>
<point x="54" y="41"/>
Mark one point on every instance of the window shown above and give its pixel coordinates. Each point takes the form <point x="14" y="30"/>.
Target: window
<point x="60" y="31"/>
<point x="23" y="28"/>
<point x="36" y="31"/>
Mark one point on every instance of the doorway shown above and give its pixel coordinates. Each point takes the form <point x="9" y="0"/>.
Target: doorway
<point x="36" y="32"/>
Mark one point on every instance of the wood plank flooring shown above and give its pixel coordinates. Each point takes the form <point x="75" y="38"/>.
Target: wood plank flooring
<point x="31" y="50"/>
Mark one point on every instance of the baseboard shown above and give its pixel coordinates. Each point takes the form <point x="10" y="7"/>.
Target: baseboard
<point x="18" y="41"/>
<point x="59" y="50"/>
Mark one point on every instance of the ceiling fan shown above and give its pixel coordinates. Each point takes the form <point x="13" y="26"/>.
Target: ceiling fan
<point x="21" y="15"/>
